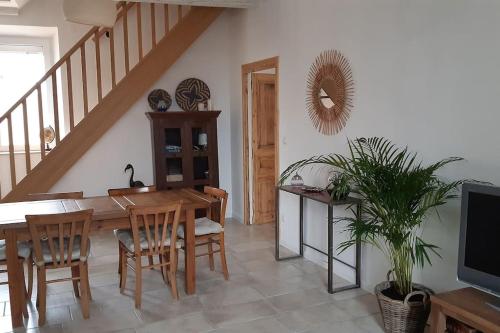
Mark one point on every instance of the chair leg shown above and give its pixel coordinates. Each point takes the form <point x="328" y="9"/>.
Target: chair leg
<point x="75" y="273"/>
<point x="223" y="256"/>
<point x="123" y="276"/>
<point x="162" y="268"/>
<point x="29" y="262"/>
<point x="138" y="282"/>
<point x="38" y="288"/>
<point x="211" y="254"/>
<point x="85" y="287"/>
<point x="25" y="298"/>
<point x="42" y="296"/>
<point x="166" y="259"/>
<point x="150" y="260"/>
<point x="120" y="258"/>
<point x="172" y="270"/>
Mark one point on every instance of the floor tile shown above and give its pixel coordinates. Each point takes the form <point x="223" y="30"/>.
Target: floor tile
<point x="239" y="313"/>
<point x="360" y="306"/>
<point x="297" y="300"/>
<point x="186" y="324"/>
<point x="261" y="295"/>
<point x="265" y="325"/>
<point x="305" y="318"/>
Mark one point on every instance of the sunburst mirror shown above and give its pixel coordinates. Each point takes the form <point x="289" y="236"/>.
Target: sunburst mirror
<point x="330" y="90"/>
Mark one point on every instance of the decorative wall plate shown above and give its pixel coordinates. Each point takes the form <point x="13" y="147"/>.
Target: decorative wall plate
<point x="159" y="100"/>
<point x="190" y="92"/>
<point x="330" y="89"/>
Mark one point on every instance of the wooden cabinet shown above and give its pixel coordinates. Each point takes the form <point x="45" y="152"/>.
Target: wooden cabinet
<point x="185" y="150"/>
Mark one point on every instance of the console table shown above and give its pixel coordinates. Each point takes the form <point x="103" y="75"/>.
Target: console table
<point x="469" y="306"/>
<point x="324" y="198"/>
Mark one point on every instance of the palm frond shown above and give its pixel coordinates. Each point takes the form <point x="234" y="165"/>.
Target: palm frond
<point x="398" y="192"/>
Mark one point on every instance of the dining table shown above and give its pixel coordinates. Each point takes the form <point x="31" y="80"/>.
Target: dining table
<point x="110" y="212"/>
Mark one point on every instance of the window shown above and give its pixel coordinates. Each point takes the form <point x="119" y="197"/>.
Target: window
<point x="21" y="66"/>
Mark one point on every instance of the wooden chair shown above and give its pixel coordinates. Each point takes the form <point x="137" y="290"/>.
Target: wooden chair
<point x="60" y="241"/>
<point x="24" y="254"/>
<point x="209" y="232"/>
<point x="153" y="232"/>
<point x="49" y="196"/>
<point x="127" y="191"/>
<point x="54" y="196"/>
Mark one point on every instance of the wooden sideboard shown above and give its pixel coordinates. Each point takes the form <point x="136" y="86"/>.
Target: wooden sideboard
<point x="469" y="306"/>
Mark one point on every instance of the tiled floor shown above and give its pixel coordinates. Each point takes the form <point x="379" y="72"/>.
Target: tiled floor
<point x="262" y="295"/>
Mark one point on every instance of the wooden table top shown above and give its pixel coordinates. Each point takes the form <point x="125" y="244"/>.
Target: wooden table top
<point x="12" y="215"/>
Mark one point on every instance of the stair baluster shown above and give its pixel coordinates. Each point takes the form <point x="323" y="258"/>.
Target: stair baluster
<point x="59" y="81"/>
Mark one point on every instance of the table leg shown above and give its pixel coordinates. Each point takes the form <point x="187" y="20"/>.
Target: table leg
<point x="16" y="293"/>
<point x="438" y="319"/>
<point x="190" y="254"/>
<point x="330" y="249"/>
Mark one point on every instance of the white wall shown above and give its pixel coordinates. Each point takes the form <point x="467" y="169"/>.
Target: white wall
<point x="48" y="13"/>
<point x="129" y="140"/>
<point x="426" y="75"/>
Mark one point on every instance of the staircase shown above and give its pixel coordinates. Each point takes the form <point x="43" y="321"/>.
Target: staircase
<point x="125" y="61"/>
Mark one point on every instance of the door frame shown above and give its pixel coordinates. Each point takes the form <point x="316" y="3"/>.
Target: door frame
<point x="246" y="69"/>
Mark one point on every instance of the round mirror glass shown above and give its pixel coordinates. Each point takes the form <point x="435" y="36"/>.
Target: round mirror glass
<point x="327" y="93"/>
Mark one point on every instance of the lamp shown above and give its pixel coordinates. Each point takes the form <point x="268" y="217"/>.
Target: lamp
<point x="90" y="12"/>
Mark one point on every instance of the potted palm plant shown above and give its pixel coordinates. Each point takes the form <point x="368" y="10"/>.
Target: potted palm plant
<point x="398" y="193"/>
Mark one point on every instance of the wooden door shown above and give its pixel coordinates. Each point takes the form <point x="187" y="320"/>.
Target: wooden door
<point x="263" y="147"/>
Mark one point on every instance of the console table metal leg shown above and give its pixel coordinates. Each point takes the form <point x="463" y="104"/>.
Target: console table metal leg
<point x="277" y="230"/>
<point x="301" y="227"/>
<point x="358" y="251"/>
<point x="330" y="249"/>
<point x="277" y="225"/>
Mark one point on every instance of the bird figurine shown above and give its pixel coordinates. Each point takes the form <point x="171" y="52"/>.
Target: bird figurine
<point x="133" y="183"/>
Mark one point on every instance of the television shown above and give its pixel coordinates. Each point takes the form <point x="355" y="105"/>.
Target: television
<point x="479" y="252"/>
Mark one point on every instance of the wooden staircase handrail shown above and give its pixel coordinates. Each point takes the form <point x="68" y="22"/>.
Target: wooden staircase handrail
<point x="51" y="71"/>
<point x="54" y="79"/>
<point x="66" y="56"/>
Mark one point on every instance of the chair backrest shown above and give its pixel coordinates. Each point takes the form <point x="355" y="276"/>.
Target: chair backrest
<point x="59" y="232"/>
<point x="154" y="222"/>
<point x="131" y="190"/>
<point x="54" y="196"/>
<point x="222" y="196"/>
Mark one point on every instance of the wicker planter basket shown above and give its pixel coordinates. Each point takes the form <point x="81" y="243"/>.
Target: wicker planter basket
<point x="408" y="316"/>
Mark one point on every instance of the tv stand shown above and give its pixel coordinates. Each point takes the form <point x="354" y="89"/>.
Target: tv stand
<point x="470" y="306"/>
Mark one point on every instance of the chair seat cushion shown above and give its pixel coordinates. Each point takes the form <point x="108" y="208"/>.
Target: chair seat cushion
<point x="203" y="226"/>
<point x="126" y="238"/>
<point x="75" y="255"/>
<point x="23" y="250"/>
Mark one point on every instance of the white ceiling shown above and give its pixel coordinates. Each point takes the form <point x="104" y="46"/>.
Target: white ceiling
<point x="207" y="3"/>
<point x="11" y="7"/>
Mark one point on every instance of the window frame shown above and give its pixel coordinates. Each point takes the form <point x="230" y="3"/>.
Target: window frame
<point x="46" y="44"/>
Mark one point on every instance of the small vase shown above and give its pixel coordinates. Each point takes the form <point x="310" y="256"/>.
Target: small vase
<point x="297" y="180"/>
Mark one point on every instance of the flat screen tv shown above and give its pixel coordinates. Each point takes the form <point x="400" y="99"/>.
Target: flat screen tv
<point x="479" y="254"/>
